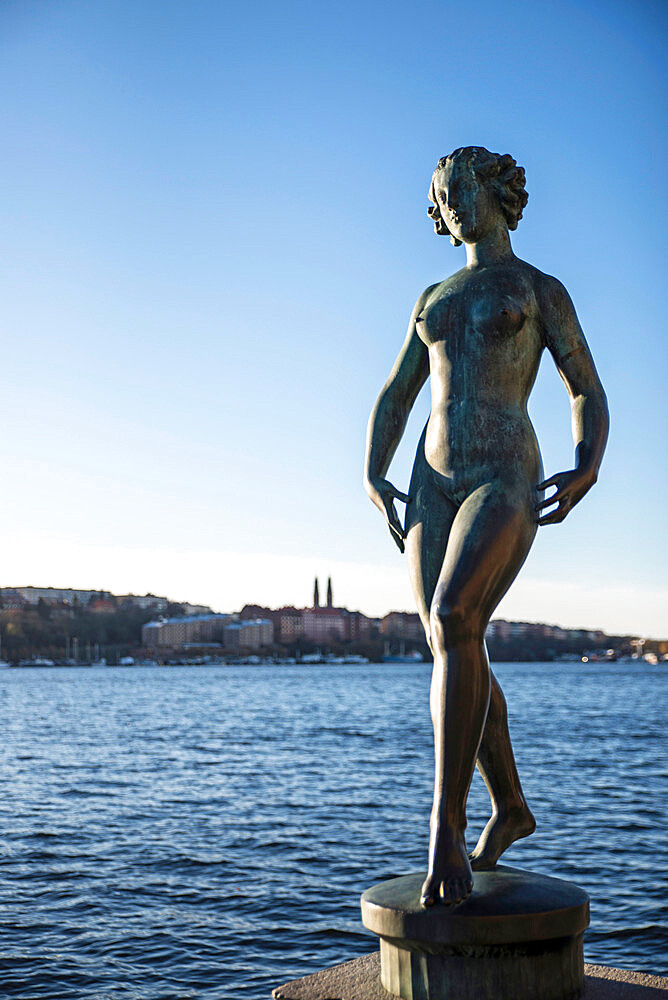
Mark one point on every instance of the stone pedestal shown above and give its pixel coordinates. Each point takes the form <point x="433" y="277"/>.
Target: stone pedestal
<point x="519" y="935"/>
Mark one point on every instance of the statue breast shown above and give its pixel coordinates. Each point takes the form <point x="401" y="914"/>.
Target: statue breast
<point x="498" y="315"/>
<point x="484" y="311"/>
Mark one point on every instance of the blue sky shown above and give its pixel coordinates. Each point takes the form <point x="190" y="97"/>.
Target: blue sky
<point x="214" y="234"/>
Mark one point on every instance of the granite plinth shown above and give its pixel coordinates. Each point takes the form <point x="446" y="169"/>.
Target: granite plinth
<point x="360" y="980"/>
<point x="519" y="935"/>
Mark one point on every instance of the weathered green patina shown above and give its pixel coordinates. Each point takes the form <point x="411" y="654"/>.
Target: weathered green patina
<point x="476" y="495"/>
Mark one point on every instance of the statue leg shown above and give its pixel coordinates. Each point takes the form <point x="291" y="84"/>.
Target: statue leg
<point x="488" y="541"/>
<point x="429" y="518"/>
<point x="511" y="817"/>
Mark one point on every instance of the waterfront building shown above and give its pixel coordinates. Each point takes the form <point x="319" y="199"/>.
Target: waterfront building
<point x="149" y="602"/>
<point x="256" y="611"/>
<point x="54" y="595"/>
<point x="359" y="627"/>
<point x="289" y="623"/>
<point x="324" y="624"/>
<point x="196" y="609"/>
<point x="170" y="633"/>
<point x="204" y="630"/>
<point x="318" y="624"/>
<point x="402" y="625"/>
<point x="21" y="596"/>
<point x="248" y="634"/>
<point x="499" y="629"/>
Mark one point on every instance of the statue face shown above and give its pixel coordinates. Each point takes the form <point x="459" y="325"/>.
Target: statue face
<point x="469" y="206"/>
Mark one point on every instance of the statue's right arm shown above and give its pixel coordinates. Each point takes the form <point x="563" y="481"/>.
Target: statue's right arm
<point x="388" y="422"/>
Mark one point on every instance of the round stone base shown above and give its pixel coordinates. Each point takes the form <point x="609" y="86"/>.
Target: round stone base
<point x="517" y="937"/>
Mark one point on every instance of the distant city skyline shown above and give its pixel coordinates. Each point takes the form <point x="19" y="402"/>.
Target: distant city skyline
<point x="62" y="622"/>
<point x="51" y="626"/>
<point x="159" y="603"/>
<point x="214" y="233"/>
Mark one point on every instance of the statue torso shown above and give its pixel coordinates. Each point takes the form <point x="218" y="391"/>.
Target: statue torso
<point x="482" y="331"/>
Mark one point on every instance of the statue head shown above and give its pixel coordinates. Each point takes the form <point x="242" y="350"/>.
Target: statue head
<point x="471" y="182"/>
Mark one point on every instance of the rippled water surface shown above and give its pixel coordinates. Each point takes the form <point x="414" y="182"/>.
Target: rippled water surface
<point x="206" y="832"/>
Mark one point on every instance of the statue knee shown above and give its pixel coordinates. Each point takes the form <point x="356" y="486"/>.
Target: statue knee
<point x="454" y="619"/>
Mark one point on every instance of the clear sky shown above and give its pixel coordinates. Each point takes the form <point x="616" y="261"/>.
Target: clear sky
<point x="213" y="235"/>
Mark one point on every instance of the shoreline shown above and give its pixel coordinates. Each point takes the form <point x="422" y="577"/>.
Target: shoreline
<point x="257" y="661"/>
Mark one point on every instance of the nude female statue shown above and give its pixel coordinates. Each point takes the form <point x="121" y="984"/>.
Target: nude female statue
<point x="476" y="496"/>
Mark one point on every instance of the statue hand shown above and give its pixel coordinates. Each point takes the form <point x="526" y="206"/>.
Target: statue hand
<point x="571" y="487"/>
<point x="383" y="494"/>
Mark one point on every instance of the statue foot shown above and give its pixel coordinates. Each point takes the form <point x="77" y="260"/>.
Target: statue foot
<point x="503" y="829"/>
<point x="450" y="879"/>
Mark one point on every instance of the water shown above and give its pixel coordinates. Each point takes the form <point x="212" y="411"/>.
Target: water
<point x="206" y="832"/>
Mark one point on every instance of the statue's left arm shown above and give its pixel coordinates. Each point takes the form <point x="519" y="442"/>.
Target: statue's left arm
<point x="589" y="408"/>
<point x="388" y="421"/>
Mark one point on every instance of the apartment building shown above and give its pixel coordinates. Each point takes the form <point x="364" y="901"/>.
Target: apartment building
<point x="247" y="635"/>
<point x="171" y="633"/>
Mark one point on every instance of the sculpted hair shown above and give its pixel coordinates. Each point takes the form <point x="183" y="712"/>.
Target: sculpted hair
<point x="500" y="169"/>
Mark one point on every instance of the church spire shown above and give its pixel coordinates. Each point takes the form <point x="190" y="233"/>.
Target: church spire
<point x="316" y="594"/>
<point x="330" y="600"/>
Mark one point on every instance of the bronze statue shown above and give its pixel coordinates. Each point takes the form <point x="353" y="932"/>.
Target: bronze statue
<point x="476" y="496"/>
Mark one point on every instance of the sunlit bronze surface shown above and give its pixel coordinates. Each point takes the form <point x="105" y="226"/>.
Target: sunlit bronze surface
<point x="476" y="494"/>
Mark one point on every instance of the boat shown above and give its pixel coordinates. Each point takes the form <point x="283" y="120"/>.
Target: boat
<point x="412" y="657"/>
<point x="402" y="656"/>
